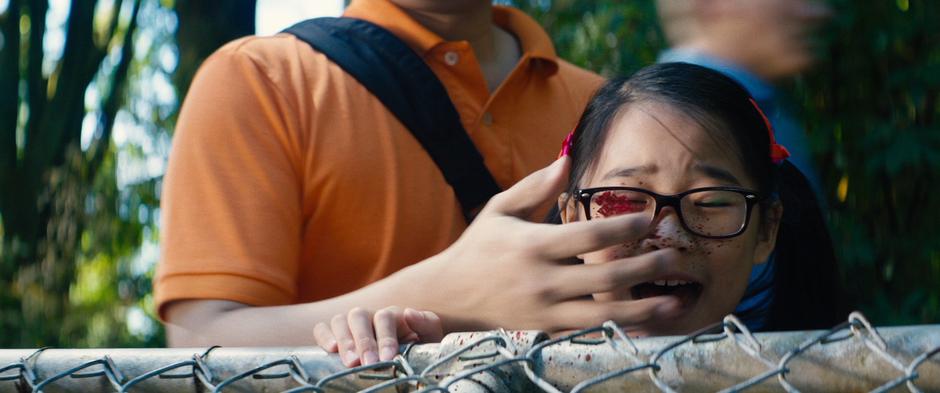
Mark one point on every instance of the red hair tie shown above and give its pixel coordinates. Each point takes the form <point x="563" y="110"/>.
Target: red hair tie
<point x="778" y="153"/>
<point x="567" y="145"/>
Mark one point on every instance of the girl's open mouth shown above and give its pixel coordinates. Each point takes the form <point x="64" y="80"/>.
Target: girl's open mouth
<point x="687" y="292"/>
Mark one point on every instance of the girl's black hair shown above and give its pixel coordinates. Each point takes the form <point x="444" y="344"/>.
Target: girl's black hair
<point x="805" y="293"/>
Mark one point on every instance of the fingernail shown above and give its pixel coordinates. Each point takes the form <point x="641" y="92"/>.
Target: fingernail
<point x="387" y="353"/>
<point x="332" y="346"/>
<point x="350" y="357"/>
<point x="369" y="357"/>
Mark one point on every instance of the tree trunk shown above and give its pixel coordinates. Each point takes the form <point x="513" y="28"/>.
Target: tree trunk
<point x="204" y="26"/>
<point x="44" y="177"/>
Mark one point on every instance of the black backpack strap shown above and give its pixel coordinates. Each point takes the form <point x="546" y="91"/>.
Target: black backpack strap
<point x="398" y="77"/>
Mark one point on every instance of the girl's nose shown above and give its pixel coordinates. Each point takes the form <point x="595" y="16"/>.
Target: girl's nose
<point x="668" y="232"/>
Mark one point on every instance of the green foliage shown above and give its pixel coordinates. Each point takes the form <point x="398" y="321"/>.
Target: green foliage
<point x="871" y="109"/>
<point x="72" y="226"/>
<point x="79" y="232"/>
<point x="47" y="173"/>
<point x="609" y="37"/>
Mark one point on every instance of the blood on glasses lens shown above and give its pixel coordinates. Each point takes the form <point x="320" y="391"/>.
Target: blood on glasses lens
<point x="615" y="203"/>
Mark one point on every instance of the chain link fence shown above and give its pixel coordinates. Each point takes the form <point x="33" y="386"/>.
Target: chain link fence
<point x="852" y="356"/>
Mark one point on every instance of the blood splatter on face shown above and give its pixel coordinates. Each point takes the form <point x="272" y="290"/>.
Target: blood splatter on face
<point x="664" y="154"/>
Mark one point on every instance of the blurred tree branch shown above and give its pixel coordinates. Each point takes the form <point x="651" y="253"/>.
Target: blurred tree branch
<point x="114" y="99"/>
<point x="39" y="252"/>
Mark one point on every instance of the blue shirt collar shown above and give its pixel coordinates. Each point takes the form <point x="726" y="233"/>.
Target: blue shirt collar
<point x="761" y="90"/>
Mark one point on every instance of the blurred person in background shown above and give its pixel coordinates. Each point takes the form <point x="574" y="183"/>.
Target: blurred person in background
<point x="757" y="43"/>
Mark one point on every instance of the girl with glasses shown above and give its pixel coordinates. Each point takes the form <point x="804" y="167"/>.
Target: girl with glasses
<point x="738" y="228"/>
<point x="690" y="151"/>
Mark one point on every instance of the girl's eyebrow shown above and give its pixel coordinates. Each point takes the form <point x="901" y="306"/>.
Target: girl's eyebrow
<point x="708" y="170"/>
<point x="630" y="171"/>
<point x="717" y="173"/>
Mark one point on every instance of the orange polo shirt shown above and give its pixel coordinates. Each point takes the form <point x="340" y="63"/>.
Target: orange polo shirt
<point x="289" y="182"/>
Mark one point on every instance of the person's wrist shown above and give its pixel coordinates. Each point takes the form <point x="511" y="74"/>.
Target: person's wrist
<point x="426" y="286"/>
<point x="410" y="286"/>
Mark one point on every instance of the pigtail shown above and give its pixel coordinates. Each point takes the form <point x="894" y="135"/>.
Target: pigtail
<point x="806" y="284"/>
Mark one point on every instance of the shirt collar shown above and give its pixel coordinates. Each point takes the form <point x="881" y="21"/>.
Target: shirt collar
<point x="533" y="40"/>
<point x="761" y="90"/>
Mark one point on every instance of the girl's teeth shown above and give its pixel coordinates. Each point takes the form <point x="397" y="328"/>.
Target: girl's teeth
<point x="670" y="283"/>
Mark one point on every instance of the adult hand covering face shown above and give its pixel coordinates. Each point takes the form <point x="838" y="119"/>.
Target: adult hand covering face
<point x="507" y="271"/>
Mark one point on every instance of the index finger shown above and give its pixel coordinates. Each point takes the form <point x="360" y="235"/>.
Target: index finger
<point x="568" y="240"/>
<point x="389" y="325"/>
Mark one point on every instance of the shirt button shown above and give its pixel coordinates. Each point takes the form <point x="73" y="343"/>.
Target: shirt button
<point x="487" y="119"/>
<point x="451" y="58"/>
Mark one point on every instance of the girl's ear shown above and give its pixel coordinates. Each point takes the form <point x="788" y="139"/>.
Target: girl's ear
<point x="567" y="208"/>
<point x="767" y="236"/>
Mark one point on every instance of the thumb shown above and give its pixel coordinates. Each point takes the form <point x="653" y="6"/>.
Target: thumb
<point x="532" y="192"/>
<point x="425" y="323"/>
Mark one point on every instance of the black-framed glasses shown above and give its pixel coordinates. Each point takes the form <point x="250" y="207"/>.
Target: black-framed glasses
<point x="710" y="212"/>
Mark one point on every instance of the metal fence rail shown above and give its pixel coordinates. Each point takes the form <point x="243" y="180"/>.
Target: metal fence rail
<point x="853" y="356"/>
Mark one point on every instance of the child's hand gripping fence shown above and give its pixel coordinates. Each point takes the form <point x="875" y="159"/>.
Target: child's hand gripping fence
<point x="853" y="356"/>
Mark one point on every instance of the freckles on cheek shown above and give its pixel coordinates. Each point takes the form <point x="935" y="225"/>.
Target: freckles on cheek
<point x="706" y="252"/>
<point x="715" y="246"/>
<point x="626" y="250"/>
<point x="723" y="254"/>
